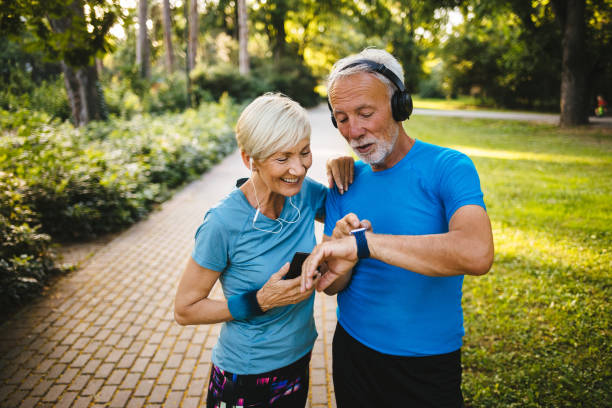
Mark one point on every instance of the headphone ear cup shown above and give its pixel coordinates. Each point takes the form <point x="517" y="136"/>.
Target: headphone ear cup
<point x="332" y="115"/>
<point x="401" y="106"/>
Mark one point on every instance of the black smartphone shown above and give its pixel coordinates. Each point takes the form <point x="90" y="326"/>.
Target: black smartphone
<point x="295" y="268"/>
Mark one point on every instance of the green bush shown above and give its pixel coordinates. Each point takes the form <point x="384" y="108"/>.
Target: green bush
<point x="107" y="175"/>
<point x="214" y="81"/>
<point x="289" y="76"/>
<point x="25" y="260"/>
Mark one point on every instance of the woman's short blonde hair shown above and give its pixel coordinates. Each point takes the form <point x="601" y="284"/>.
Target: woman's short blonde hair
<point x="272" y="122"/>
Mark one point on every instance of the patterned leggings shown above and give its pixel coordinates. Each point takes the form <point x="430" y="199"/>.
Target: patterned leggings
<point x="286" y="387"/>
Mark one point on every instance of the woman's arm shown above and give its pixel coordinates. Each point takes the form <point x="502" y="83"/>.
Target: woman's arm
<point x="192" y="305"/>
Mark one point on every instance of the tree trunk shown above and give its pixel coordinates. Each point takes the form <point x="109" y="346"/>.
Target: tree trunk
<point x="574" y="104"/>
<point x="168" y="36"/>
<point x="243" y="38"/>
<point x="193" y="33"/>
<point x="142" y="43"/>
<point x="72" y="90"/>
<point x="82" y="87"/>
<point x="84" y="94"/>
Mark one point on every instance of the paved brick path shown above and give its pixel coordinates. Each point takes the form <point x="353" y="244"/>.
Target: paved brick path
<point x="105" y="336"/>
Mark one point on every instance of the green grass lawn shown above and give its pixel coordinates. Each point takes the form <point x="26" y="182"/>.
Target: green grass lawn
<point x="538" y="325"/>
<point x="463" y="102"/>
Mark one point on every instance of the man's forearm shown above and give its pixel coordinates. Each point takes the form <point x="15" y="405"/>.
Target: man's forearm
<point x="431" y="255"/>
<point x="467" y="249"/>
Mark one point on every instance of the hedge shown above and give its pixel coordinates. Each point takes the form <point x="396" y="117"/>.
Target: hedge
<point x="61" y="183"/>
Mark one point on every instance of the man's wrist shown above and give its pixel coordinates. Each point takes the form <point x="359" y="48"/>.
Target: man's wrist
<point x="363" y="251"/>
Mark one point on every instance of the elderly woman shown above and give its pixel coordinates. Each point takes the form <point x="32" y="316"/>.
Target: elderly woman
<point x="246" y="241"/>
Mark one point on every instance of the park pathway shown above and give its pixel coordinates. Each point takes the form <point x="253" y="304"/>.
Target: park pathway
<point x="105" y="336"/>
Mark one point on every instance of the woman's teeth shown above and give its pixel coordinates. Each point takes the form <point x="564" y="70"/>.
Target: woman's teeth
<point x="290" y="180"/>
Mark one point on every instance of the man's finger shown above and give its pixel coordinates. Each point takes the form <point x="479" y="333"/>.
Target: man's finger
<point x="366" y="224"/>
<point x="325" y="281"/>
<point x="309" y="267"/>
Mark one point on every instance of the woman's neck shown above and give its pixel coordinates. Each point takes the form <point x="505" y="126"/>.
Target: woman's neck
<point x="269" y="203"/>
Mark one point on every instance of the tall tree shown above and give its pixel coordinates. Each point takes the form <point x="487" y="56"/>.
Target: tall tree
<point x="243" y="37"/>
<point x="167" y="23"/>
<point x="142" y="43"/>
<point x="73" y="32"/>
<point x="574" y="91"/>
<point x="193" y="34"/>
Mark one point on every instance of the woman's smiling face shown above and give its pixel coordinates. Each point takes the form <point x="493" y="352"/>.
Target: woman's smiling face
<point x="284" y="171"/>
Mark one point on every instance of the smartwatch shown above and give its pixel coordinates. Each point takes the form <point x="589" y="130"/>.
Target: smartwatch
<point x="362" y="243"/>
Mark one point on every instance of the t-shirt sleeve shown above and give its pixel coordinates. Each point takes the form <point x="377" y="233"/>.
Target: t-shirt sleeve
<point x="460" y="184"/>
<point x="211" y="243"/>
<point x="318" y="193"/>
<point x="332" y="210"/>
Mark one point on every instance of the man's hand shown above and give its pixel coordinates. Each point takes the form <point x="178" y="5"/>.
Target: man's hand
<point x="340" y="255"/>
<point x="346" y="224"/>
<point x="340" y="170"/>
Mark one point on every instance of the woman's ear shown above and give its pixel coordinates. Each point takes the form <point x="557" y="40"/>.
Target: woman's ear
<point x="247" y="160"/>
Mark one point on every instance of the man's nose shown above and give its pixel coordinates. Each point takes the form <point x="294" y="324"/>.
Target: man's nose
<point x="355" y="131"/>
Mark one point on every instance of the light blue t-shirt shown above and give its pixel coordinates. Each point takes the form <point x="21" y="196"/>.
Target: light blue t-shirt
<point x="246" y="257"/>
<point x="393" y="310"/>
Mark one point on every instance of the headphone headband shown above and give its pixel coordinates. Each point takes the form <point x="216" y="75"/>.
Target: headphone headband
<point x="381" y="69"/>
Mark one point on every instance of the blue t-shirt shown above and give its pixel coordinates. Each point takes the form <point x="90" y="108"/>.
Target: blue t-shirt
<point x="390" y="309"/>
<point x="246" y="257"/>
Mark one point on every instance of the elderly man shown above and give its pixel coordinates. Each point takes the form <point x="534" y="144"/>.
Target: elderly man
<point x="396" y="246"/>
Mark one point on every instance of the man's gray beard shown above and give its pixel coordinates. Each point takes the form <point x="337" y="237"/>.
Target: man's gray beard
<point x="384" y="149"/>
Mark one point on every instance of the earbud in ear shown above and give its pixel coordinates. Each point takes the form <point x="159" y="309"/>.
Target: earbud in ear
<point x="251" y="163"/>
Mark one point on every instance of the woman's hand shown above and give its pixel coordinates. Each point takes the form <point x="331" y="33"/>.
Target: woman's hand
<point x="280" y="292"/>
<point x="340" y="170"/>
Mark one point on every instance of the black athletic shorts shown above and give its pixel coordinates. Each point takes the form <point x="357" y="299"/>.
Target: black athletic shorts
<point x="363" y="377"/>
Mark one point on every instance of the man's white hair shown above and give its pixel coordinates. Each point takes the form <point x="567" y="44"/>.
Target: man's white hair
<point x="272" y="122"/>
<point x="372" y="54"/>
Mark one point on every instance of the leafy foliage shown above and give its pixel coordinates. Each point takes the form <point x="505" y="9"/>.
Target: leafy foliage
<point x="62" y="29"/>
<point x="83" y="182"/>
<point x="288" y="76"/>
<point x="25" y="260"/>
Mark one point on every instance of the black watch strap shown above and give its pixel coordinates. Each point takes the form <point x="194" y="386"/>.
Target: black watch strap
<point x="362" y="243"/>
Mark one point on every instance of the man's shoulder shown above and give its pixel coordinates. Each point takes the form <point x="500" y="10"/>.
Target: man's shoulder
<point x="436" y="156"/>
<point x="437" y="151"/>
